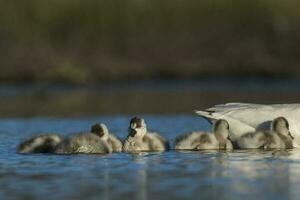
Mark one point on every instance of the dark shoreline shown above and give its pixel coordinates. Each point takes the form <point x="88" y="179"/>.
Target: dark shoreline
<point x="141" y="97"/>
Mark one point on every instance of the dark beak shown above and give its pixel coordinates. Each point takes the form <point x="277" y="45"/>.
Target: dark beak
<point x="228" y="138"/>
<point x="101" y="134"/>
<point x="132" y="132"/>
<point x="291" y="135"/>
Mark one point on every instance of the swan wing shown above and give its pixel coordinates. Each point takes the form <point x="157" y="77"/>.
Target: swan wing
<point x="254" y="115"/>
<point x="237" y="128"/>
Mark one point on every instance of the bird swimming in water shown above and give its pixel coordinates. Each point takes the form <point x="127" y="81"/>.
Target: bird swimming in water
<point x="99" y="140"/>
<point x="45" y="143"/>
<point x="102" y="131"/>
<point x="279" y="137"/>
<point x="89" y="143"/>
<point x="139" y="139"/>
<point x="247" y="118"/>
<point x="218" y="139"/>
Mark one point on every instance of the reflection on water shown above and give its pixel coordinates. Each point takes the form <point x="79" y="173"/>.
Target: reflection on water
<point x="173" y="175"/>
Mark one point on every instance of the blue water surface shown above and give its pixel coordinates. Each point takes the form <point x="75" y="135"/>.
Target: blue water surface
<point x="168" y="175"/>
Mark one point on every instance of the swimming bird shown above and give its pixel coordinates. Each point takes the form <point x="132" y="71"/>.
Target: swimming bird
<point x="248" y="118"/>
<point x="99" y="140"/>
<point x="45" y="143"/>
<point x="281" y="126"/>
<point x="139" y="139"/>
<point x="89" y="143"/>
<point x="279" y="137"/>
<point x="102" y="131"/>
<point x="218" y="139"/>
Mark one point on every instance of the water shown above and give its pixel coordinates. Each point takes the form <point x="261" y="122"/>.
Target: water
<point x="169" y="175"/>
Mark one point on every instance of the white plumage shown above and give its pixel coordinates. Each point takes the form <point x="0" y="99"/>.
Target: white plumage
<point x="246" y="117"/>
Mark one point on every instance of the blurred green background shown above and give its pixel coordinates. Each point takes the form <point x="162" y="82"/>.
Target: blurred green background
<point x="84" y="42"/>
<point x="94" y="57"/>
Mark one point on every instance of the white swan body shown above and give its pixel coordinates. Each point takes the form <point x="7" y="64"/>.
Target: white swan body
<point x="246" y="117"/>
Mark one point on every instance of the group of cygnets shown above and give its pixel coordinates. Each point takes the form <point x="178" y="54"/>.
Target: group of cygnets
<point x="100" y="140"/>
<point x="277" y="137"/>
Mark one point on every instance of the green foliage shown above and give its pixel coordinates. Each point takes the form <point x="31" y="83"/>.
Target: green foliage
<point x="116" y="37"/>
<point x="66" y="72"/>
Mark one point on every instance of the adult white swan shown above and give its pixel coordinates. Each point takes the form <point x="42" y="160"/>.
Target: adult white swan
<point x="246" y="117"/>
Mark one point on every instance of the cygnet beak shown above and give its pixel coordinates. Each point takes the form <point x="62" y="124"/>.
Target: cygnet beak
<point x="228" y="138"/>
<point x="132" y="132"/>
<point x="290" y="135"/>
<point x="101" y="134"/>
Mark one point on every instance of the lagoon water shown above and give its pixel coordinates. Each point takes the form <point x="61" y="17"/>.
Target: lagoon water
<point x="169" y="175"/>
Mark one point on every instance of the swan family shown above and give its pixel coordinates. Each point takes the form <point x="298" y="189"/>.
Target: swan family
<point x="235" y="126"/>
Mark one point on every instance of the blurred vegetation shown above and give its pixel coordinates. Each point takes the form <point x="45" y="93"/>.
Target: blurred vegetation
<point x="76" y="41"/>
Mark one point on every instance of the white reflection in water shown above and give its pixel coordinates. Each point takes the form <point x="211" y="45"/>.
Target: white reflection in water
<point x="106" y="192"/>
<point x="259" y="175"/>
<point x="142" y="183"/>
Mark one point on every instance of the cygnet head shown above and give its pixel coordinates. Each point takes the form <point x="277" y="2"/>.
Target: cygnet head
<point x="281" y="125"/>
<point x="221" y="128"/>
<point x="137" y="127"/>
<point x="100" y="130"/>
